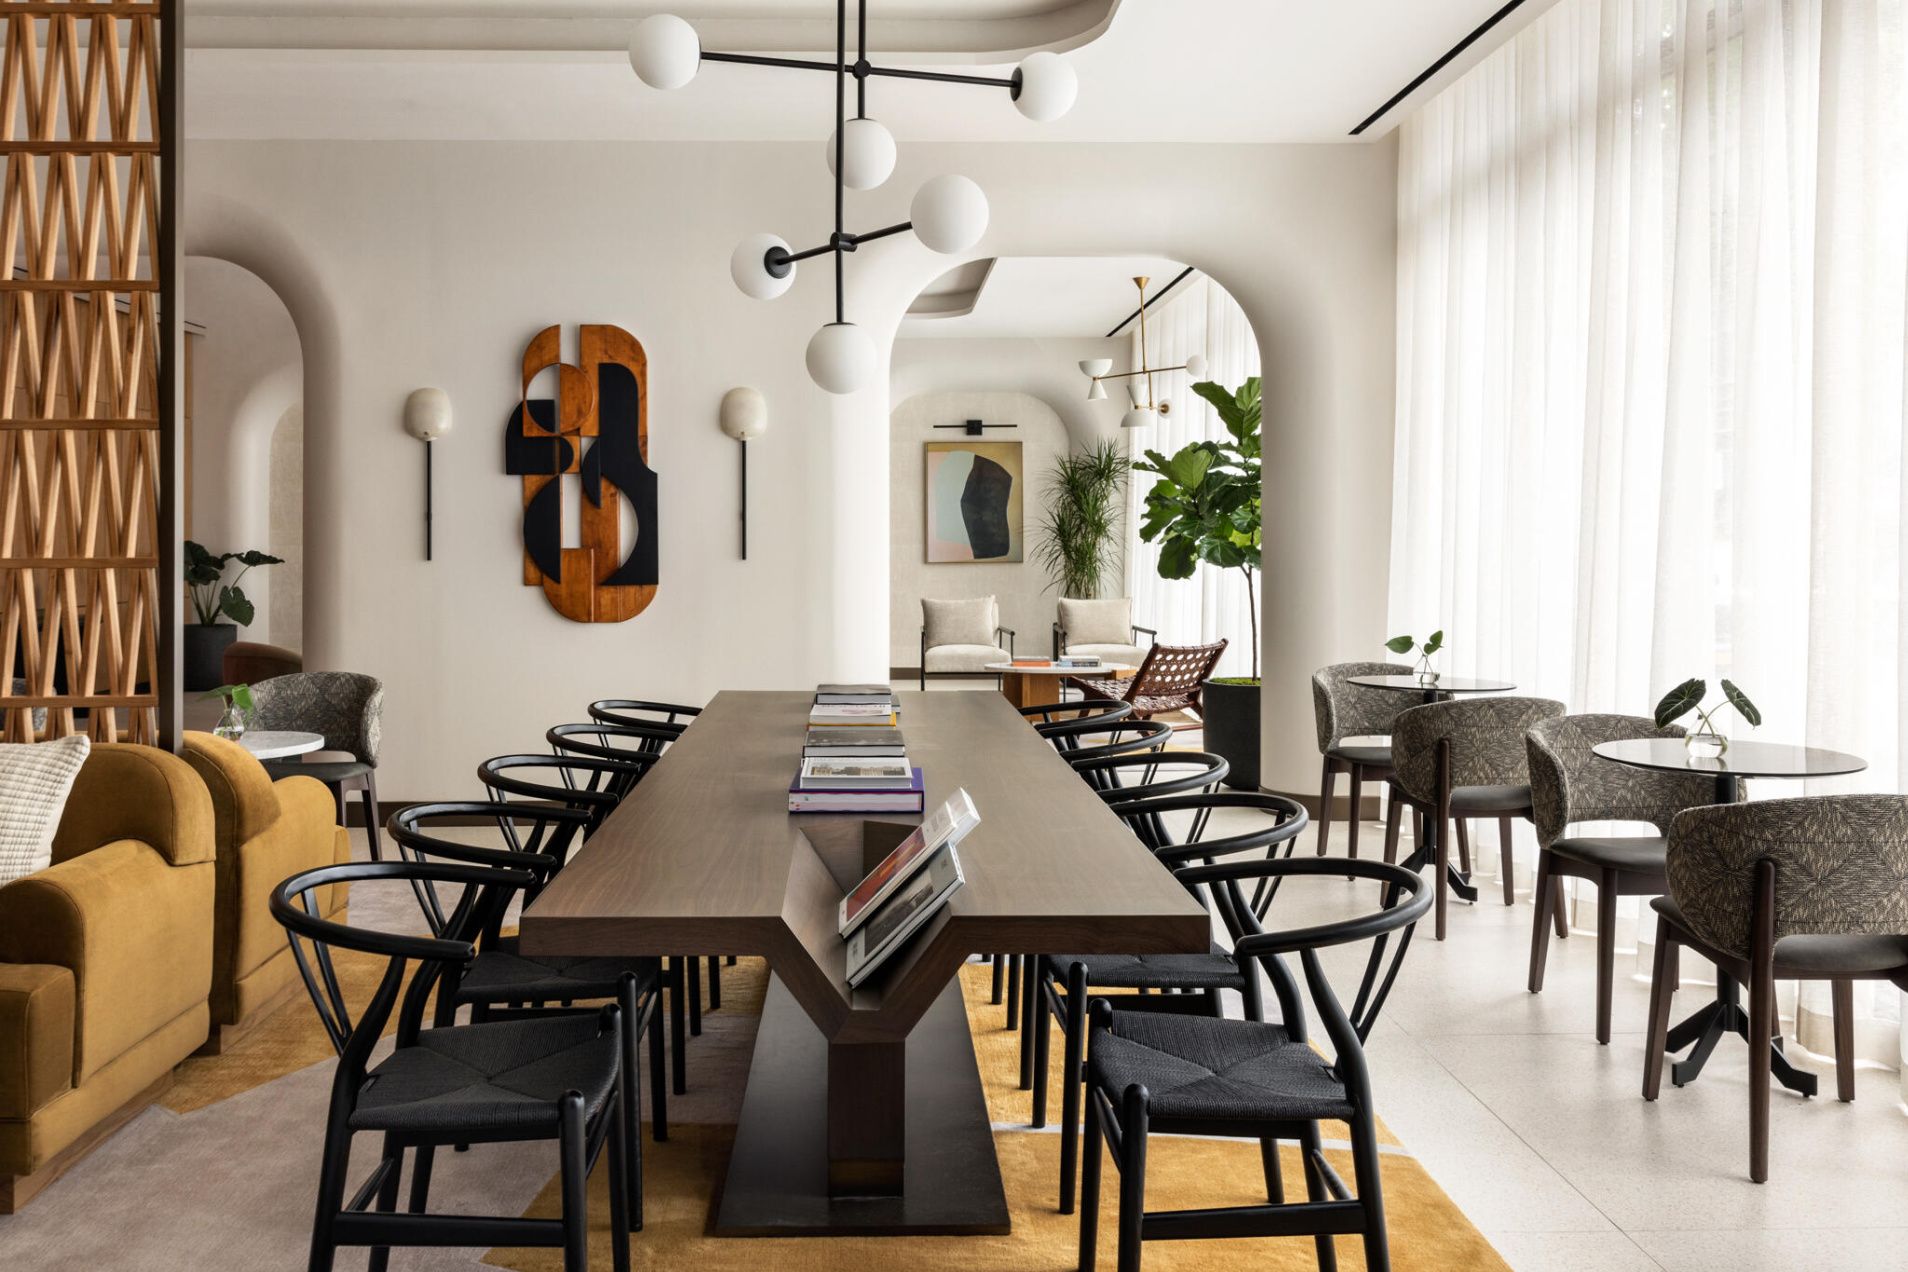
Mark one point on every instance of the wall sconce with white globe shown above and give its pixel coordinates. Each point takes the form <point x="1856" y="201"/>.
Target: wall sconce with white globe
<point x="744" y="416"/>
<point x="948" y="213"/>
<point x="427" y="417"/>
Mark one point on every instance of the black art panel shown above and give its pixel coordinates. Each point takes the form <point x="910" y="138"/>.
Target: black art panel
<point x="984" y="509"/>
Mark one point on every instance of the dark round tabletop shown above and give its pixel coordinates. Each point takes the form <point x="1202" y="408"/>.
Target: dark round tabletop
<point x="1443" y="684"/>
<point x="1742" y="759"/>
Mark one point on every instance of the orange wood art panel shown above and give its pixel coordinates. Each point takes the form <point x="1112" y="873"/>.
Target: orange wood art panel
<point x="596" y="428"/>
<point x="79" y="370"/>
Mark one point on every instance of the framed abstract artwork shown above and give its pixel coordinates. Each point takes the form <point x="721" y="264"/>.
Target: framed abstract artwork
<point x="974" y="494"/>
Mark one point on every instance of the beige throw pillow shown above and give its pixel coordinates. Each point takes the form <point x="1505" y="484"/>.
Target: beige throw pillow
<point x="35" y="779"/>
<point x="1107" y="622"/>
<point x="960" y="622"/>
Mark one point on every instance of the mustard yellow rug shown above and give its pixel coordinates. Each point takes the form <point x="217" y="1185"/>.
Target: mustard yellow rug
<point x="681" y="1177"/>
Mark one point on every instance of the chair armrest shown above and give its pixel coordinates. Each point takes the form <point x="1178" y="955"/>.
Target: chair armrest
<point x="1059" y="639"/>
<point x="134" y="930"/>
<point x="244" y="803"/>
<point x="1008" y="632"/>
<point x="140" y="793"/>
<point x="36" y="1036"/>
<point x="1152" y="636"/>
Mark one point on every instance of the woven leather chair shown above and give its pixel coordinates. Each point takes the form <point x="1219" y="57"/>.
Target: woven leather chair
<point x="1568" y="783"/>
<point x="1343" y="710"/>
<point x="1196" y="1075"/>
<point x="348" y="709"/>
<point x="1168" y="680"/>
<point x="1181" y="983"/>
<point x="1783" y="889"/>
<point x="515" y="1082"/>
<point x="1464" y="758"/>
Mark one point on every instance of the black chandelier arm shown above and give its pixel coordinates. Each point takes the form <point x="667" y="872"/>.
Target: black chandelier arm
<point x="860" y="69"/>
<point x="777" y="259"/>
<point x="861" y="58"/>
<point x="1125" y="375"/>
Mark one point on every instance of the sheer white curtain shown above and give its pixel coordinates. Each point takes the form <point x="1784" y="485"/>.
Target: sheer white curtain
<point x="1198" y="317"/>
<point x="1653" y="270"/>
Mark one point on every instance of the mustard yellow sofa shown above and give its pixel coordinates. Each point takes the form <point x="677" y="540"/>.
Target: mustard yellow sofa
<point x="264" y="832"/>
<point x="105" y="962"/>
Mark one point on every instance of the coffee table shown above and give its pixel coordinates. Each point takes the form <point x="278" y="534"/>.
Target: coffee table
<point x="1035" y="686"/>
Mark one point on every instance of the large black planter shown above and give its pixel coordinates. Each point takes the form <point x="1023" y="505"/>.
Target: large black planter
<point x="205" y="646"/>
<point x="1232" y="729"/>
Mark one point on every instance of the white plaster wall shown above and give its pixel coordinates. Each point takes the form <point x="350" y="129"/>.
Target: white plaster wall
<point x="1026" y="604"/>
<point x="286" y="518"/>
<point x="411" y="264"/>
<point x="1047" y="369"/>
<point x="246" y="373"/>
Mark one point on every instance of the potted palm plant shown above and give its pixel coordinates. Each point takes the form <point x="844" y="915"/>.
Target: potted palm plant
<point x="214" y="598"/>
<point x="1204" y="509"/>
<point x="1078" y="539"/>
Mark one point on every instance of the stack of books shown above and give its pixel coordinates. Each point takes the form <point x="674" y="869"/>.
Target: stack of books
<point x="854" y="759"/>
<point x="1080" y="662"/>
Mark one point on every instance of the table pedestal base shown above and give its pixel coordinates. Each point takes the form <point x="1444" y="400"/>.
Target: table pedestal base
<point x="1726" y="1016"/>
<point x="1460" y="883"/>
<point x="792" y="1160"/>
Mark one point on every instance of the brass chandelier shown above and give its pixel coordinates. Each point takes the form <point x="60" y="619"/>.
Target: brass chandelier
<point x="1146" y="412"/>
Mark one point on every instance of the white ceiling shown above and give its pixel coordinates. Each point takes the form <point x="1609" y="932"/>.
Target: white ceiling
<point x="1160" y="70"/>
<point x="1045" y="297"/>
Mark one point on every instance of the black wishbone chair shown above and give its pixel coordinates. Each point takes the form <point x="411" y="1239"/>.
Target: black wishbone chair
<point x="1049" y="716"/>
<point x="675" y="717"/>
<point x="502" y="983"/>
<point x="505" y="1082"/>
<point x="1181" y="983"/>
<point x="589" y="786"/>
<point x="1148" y="1071"/>
<point x="627" y="744"/>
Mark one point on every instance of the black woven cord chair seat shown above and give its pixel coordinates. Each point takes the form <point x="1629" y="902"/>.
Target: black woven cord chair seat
<point x="1475" y="801"/>
<point x="1817" y="957"/>
<point x="1640" y="854"/>
<point x="1370" y="756"/>
<point x="1199" y="1068"/>
<point x="1147" y="971"/>
<point x="500" y="974"/>
<point x="322" y="770"/>
<point x="506" y="1076"/>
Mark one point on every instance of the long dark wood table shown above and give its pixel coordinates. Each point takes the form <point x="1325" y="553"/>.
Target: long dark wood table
<point x="864" y="1111"/>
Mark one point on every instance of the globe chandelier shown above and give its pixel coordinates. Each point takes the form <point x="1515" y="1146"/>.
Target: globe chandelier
<point x="948" y="213"/>
<point x="1145" y="410"/>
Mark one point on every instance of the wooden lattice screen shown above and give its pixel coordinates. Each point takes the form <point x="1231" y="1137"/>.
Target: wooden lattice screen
<point x="82" y="455"/>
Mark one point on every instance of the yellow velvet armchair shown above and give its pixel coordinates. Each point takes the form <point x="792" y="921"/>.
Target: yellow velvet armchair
<point x="265" y="832"/>
<point x="105" y="962"/>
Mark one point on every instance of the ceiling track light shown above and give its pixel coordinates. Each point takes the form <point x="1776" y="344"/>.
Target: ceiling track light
<point x="948" y="213"/>
<point x="1146" y="413"/>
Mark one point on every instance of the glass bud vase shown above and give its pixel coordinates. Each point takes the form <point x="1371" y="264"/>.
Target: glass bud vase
<point x="1705" y="745"/>
<point x="1427" y="675"/>
<point x="231" y="725"/>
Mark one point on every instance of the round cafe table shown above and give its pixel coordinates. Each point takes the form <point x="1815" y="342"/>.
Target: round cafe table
<point x="1741" y="761"/>
<point x="276" y="744"/>
<point x="1031" y="686"/>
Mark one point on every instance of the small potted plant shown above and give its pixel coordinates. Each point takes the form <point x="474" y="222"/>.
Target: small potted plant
<point x="1427" y="675"/>
<point x="1205" y="509"/>
<point x="238" y="711"/>
<point x="213" y="598"/>
<point x="1704" y="742"/>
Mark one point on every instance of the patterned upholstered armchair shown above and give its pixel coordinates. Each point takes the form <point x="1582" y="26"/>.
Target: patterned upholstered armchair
<point x="1343" y="710"/>
<point x="1463" y="759"/>
<point x="1783" y="889"/>
<point x="1569" y="784"/>
<point x="348" y="709"/>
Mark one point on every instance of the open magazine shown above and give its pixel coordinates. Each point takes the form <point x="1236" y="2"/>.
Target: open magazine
<point x="945" y="826"/>
<point x="893" y="920"/>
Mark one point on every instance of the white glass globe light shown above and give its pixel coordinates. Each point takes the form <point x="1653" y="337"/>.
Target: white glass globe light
<point x="665" y="51"/>
<point x="841" y="357"/>
<point x="867" y="154"/>
<point x="1139" y="417"/>
<point x="949" y="213"/>
<point x="1044" y="87"/>
<point x="1196" y="365"/>
<point x="1096" y="392"/>
<point x="1095" y="366"/>
<point x="749" y="269"/>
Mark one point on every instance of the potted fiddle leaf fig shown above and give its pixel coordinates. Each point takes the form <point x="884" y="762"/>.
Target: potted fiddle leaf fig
<point x="214" y="598"/>
<point x="1432" y="644"/>
<point x="1204" y="510"/>
<point x="1703" y="741"/>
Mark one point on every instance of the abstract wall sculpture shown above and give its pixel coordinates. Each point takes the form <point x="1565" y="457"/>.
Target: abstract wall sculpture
<point x="974" y="501"/>
<point x="597" y="428"/>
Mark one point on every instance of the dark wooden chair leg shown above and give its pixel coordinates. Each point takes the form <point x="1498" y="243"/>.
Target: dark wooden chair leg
<point x="1606" y="951"/>
<point x="1013" y="991"/>
<point x="373" y="824"/>
<point x="1462" y="826"/>
<point x="1133" y="1120"/>
<point x="1762" y="1018"/>
<point x="1089" y="1191"/>
<point x="1392" y="821"/>
<point x="380" y="1258"/>
<point x="622" y="1193"/>
<point x="1274" y="1175"/>
<point x="1310" y="1145"/>
<point x="1042" y="1028"/>
<point x="1027" y="965"/>
<point x="1000" y="975"/>
<point x="1357" y="799"/>
<point x="1663" y="974"/>
<point x="658" y="1074"/>
<point x="1842" y="995"/>
<point x="629" y="1095"/>
<point x="1557" y="915"/>
<point x="574" y="1152"/>
<point x="1074" y="1075"/>
<point x="692" y="990"/>
<point x="1544" y="899"/>
<point x="1325" y="804"/>
<point x="1371" y="1191"/>
<point x="715" y="983"/>
<point x="1441" y="859"/>
<point x="1507" y="862"/>
<point x="678" y="1028"/>
<point x="424" y="1158"/>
